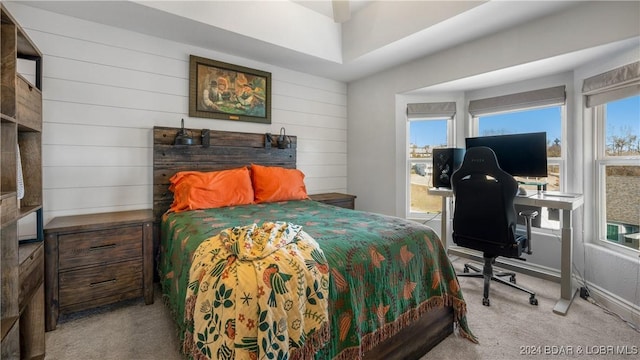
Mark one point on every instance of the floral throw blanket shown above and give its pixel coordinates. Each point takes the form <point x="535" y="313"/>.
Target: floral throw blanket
<point x="257" y="292"/>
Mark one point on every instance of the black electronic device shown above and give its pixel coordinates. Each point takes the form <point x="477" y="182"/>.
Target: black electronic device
<point x="445" y="162"/>
<point x="522" y="155"/>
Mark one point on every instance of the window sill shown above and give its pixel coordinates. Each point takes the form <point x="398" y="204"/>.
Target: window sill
<point x="625" y="251"/>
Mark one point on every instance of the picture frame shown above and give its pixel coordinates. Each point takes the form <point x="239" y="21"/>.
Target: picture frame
<point x="220" y="90"/>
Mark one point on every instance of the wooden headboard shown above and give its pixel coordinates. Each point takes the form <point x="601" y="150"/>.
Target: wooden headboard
<point x="226" y="150"/>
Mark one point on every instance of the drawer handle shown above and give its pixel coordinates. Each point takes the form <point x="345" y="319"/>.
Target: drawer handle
<point x="102" y="247"/>
<point x="102" y="282"/>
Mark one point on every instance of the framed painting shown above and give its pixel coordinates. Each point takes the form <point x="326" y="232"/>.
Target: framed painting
<point x="220" y="90"/>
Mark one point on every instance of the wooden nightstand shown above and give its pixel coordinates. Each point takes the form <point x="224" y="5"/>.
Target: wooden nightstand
<point x="97" y="259"/>
<point x="342" y="200"/>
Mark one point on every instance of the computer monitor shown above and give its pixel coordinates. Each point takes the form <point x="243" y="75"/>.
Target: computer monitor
<point x="523" y="155"/>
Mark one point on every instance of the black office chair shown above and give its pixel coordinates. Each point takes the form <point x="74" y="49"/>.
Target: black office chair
<point x="484" y="218"/>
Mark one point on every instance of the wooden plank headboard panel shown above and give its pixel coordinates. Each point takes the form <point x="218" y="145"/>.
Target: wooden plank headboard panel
<point x="227" y="150"/>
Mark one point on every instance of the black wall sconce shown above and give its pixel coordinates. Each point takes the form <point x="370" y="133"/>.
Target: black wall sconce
<point x="284" y="142"/>
<point x="183" y="138"/>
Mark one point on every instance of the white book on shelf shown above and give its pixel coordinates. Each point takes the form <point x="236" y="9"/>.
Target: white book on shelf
<point x="19" y="178"/>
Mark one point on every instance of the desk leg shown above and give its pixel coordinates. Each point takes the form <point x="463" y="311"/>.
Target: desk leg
<point x="567" y="292"/>
<point x="443" y="223"/>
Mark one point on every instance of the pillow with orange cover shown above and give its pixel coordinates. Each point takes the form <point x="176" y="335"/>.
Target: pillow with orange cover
<point x="273" y="183"/>
<point x="193" y="190"/>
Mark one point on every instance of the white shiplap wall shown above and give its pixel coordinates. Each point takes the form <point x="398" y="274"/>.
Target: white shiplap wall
<point x="105" y="88"/>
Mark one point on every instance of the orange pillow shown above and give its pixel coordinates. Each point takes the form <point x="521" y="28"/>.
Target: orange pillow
<point x="272" y="183"/>
<point x="194" y="190"/>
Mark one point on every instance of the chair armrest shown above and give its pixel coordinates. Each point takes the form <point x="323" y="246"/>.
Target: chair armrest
<point x="528" y="216"/>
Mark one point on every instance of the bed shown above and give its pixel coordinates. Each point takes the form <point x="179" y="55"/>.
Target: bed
<point x="393" y="293"/>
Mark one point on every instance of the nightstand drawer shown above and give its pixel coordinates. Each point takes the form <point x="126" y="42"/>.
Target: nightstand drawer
<point x="100" y="246"/>
<point x="346" y="203"/>
<point x="336" y="199"/>
<point x="91" y="284"/>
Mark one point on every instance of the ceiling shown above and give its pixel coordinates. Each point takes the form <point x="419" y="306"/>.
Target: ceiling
<point x="332" y="8"/>
<point x="341" y="40"/>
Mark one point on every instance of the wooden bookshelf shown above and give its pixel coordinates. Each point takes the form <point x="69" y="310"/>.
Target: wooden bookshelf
<point x="22" y="265"/>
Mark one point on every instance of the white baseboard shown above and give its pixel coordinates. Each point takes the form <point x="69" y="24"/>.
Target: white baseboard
<point x="623" y="308"/>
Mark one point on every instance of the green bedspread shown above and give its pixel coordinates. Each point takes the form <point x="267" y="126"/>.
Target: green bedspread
<point x="385" y="271"/>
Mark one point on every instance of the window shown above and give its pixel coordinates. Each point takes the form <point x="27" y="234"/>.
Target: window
<point x="618" y="166"/>
<point x="548" y="120"/>
<point x="429" y="127"/>
<point x="534" y="111"/>
<point x="424" y="136"/>
<point x="614" y="99"/>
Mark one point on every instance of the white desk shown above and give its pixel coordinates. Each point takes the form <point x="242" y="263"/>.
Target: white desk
<point x="565" y="202"/>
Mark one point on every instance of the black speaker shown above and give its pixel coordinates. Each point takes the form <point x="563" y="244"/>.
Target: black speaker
<point x="445" y="162"/>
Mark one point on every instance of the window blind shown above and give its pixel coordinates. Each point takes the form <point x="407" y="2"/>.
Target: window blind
<point x="525" y="100"/>
<point x="431" y="110"/>
<point x="612" y="85"/>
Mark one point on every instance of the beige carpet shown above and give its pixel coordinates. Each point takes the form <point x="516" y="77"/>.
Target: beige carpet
<point x="509" y="329"/>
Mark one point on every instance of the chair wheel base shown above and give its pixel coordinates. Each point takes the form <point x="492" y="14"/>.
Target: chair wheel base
<point x="485" y="302"/>
<point x="533" y="300"/>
